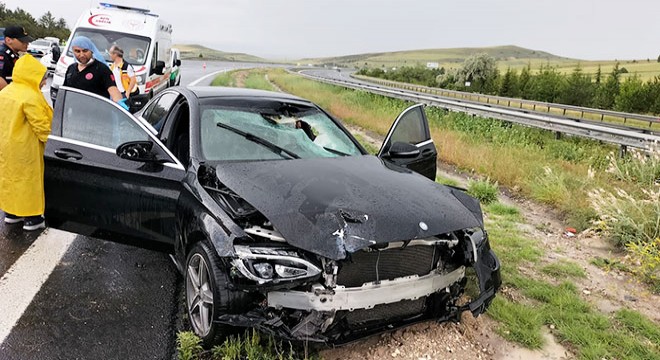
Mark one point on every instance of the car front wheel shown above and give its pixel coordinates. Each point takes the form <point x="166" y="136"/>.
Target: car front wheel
<point x="207" y="293"/>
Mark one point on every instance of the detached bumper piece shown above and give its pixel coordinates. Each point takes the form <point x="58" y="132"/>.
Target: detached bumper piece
<point x="490" y="280"/>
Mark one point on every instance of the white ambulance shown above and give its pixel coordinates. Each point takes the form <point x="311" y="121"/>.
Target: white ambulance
<point x="145" y="38"/>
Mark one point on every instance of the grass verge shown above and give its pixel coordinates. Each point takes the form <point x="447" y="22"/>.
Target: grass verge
<point x="528" y="303"/>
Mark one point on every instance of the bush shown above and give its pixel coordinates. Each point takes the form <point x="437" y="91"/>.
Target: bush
<point x="626" y="219"/>
<point x="189" y="345"/>
<point x="251" y="346"/>
<point x="483" y="190"/>
<point x="646" y="262"/>
<point x="550" y="187"/>
<point x="640" y="167"/>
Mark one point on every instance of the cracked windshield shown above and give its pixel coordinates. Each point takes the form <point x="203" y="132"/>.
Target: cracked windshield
<point x="297" y="131"/>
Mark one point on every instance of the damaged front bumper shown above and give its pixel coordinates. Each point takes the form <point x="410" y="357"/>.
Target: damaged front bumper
<point x="365" y="297"/>
<point x="327" y="314"/>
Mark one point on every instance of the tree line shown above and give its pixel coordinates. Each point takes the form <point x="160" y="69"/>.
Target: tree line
<point x="46" y="25"/>
<point x="479" y="74"/>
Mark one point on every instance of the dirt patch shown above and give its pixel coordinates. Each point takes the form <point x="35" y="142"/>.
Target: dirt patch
<point x="551" y="351"/>
<point x="240" y="78"/>
<point x="274" y="85"/>
<point x="609" y="291"/>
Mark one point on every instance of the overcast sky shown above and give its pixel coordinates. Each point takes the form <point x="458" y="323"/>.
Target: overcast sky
<point x="584" y="29"/>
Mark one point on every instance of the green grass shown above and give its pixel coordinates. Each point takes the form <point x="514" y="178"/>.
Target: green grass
<point x="257" y="80"/>
<point x="249" y="345"/>
<point x="367" y="146"/>
<point x="484" y="190"/>
<point x="522" y="323"/>
<point x="225" y="79"/>
<point x="446" y="181"/>
<point x="251" y="79"/>
<point x="497" y="208"/>
<point x="639" y="324"/>
<point x="563" y="269"/>
<point x="188" y="346"/>
<point x="577" y="324"/>
<point x="252" y="346"/>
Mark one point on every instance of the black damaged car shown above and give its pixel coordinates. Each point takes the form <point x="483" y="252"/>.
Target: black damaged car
<point x="276" y="216"/>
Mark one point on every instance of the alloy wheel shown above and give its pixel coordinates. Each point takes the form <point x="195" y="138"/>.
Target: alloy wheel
<point x="199" y="294"/>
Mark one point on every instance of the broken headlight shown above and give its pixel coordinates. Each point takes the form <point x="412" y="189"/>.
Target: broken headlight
<point x="272" y="264"/>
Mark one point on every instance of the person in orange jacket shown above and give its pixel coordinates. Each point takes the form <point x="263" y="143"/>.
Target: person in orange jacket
<point x="25" y="124"/>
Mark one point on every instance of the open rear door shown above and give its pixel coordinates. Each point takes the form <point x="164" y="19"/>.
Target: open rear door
<point x="409" y="143"/>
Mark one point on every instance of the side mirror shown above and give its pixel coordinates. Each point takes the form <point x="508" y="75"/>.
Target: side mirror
<point x="137" y="151"/>
<point x="160" y="66"/>
<point x="177" y="63"/>
<point x="401" y="150"/>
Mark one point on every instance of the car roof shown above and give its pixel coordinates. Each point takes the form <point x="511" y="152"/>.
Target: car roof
<point x="220" y="91"/>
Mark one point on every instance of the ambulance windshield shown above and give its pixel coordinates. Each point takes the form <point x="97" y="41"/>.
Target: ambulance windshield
<point x="135" y="47"/>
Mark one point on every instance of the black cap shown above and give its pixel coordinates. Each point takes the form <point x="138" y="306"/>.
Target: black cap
<point x="18" y="33"/>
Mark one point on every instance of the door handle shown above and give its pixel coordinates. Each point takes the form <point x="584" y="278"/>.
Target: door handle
<point x="427" y="153"/>
<point x="68" y="154"/>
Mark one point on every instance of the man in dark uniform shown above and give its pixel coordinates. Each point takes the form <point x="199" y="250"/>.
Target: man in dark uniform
<point x="56" y="52"/>
<point x="16" y="40"/>
<point x="90" y="72"/>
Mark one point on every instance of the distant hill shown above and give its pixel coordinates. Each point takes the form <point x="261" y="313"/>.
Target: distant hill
<point x="512" y="55"/>
<point x="193" y="51"/>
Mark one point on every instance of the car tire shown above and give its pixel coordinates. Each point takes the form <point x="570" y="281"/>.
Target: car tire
<point x="207" y="294"/>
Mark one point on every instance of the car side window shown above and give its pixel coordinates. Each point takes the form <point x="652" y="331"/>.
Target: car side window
<point x="411" y="128"/>
<point x="157" y="113"/>
<point x="97" y="122"/>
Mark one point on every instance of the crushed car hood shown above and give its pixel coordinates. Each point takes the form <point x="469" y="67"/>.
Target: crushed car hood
<point x="332" y="206"/>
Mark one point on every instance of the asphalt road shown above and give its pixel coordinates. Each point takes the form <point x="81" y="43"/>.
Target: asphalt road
<point x="64" y="296"/>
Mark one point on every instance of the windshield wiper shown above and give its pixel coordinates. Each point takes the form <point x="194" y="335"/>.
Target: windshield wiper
<point x="337" y="152"/>
<point x="261" y="141"/>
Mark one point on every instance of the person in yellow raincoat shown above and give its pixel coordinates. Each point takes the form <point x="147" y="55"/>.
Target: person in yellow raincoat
<point x="25" y="121"/>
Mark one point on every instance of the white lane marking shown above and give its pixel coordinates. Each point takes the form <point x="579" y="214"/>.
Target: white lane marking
<point x="194" y="83"/>
<point x="23" y="280"/>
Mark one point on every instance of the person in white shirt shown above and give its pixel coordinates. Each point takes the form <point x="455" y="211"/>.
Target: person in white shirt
<point x="123" y="72"/>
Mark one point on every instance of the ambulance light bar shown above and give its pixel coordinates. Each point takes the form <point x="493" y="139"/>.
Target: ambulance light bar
<point x="122" y="7"/>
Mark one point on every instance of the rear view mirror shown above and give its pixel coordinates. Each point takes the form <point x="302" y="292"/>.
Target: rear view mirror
<point x="400" y="150"/>
<point x="177" y="63"/>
